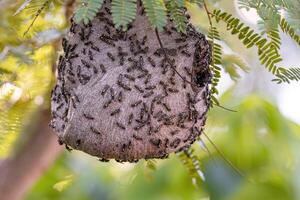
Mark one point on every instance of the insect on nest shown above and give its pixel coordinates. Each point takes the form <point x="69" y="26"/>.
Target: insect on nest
<point x="130" y="95"/>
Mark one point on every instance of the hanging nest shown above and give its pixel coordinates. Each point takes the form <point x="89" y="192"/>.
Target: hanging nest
<point x="124" y="96"/>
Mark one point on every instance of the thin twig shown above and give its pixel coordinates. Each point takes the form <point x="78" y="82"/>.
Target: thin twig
<point x="222" y="155"/>
<point x="168" y="60"/>
<point x="36" y="16"/>
<point x="228" y="109"/>
<point x="208" y="13"/>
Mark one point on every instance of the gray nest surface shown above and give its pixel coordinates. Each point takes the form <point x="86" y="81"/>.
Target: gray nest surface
<point x="119" y="95"/>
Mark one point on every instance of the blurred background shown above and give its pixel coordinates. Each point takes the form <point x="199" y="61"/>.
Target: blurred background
<point x="258" y="147"/>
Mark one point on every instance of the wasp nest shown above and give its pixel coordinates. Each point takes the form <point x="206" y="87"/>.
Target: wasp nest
<point x="121" y="95"/>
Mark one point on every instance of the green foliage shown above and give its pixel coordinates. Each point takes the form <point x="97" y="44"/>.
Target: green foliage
<point x="275" y="38"/>
<point x="231" y="63"/>
<point x="156" y="13"/>
<point x="288" y="74"/>
<point x="35" y="8"/>
<point x="87" y="10"/>
<point x="11" y="126"/>
<point x="123" y="12"/>
<point x="286" y="28"/>
<point x="267" y="51"/>
<point x="257" y="139"/>
<point x="271" y="17"/>
<point x="214" y="36"/>
<point x="177" y="14"/>
<point x="190" y="160"/>
<point x="292" y="73"/>
<point x="269" y="11"/>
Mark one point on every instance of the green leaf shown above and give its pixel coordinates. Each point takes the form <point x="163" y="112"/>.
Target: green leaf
<point x="87" y="10"/>
<point x="268" y="51"/>
<point x="231" y="63"/>
<point x="156" y="13"/>
<point x="177" y="14"/>
<point x="63" y="184"/>
<point x="123" y="12"/>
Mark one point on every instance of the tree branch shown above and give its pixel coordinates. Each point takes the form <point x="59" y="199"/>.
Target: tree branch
<point x="19" y="173"/>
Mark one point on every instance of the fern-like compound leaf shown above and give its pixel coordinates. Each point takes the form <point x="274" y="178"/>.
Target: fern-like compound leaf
<point x="214" y="36"/>
<point x="156" y="13"/>
<point x="177" y="14"/>
<point x="267" y="50"/>
<point x="191" y="162"/>
<point x="87" y="10"/>
<point x="123" y="12"/>
<point x="286" y="28"/>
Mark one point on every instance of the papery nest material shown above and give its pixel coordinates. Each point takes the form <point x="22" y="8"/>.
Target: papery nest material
<point x="120" y="95"/>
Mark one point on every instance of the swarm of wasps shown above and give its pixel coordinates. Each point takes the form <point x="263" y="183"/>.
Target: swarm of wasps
<point x="130" y="95"/>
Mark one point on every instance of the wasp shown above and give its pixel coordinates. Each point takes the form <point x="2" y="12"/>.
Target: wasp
<point x="130" y="118"/>
<point x="106" y="28"/>
<point x="129" y="77"/>
<point x="155" y="142"/>
<point x="84" y="51"/>
<point x="147" y="79"/>
<point x="95" y="48"/>
<point x="131" y="47"/>
<point x="107" y="104"/>
<point x="88" y="43"/>
<point x="150" y="130"/>
<point x="121" y="126"/>
<point x="85" y="63"/>
<point x="186" y="53"/>
<point x="151" y="61"/>
<point x="137" y="137"/>
<point x="91" y="56"/>
<point x="111" y="56"/>
<point x="175" y="143"/>
<point x="142" y="75"/>
<point x="103" y="160"/>
<point x="82" y="34"/>
<point x="107" y="40"/>
<point x="115" y="112"/>
<point x="180" y="40"/>
<point x="94" y="130"/>
<point x="78" y="142"/>
<point x="151" y="87"/>
<point x="138" y="127"/>
<point x="84" y="79"/>
<point x="87" y="116"/>
<point x="122" y="60"/>
<point x="148" y="94"/>
<point x="104" y="90"/>
<point x="102" y="67"/>
<point x="95" y="70"/>
<point x="73" y="55"/>
<point x="112" y="93"/>
<point x="144" y="40"/>
<point x="172" y="90"/>
<point x="71" y="79"/>
<point x="122" y="85"/>
<point x="172" y="80"/>
<point x="139" y="89"/>
<point x="135" y="104"/>
<point x="174" y="132"/>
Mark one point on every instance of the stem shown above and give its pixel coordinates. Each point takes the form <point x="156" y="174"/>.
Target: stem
<point x="168" y="60"/>
<point x="208" y="13"/>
